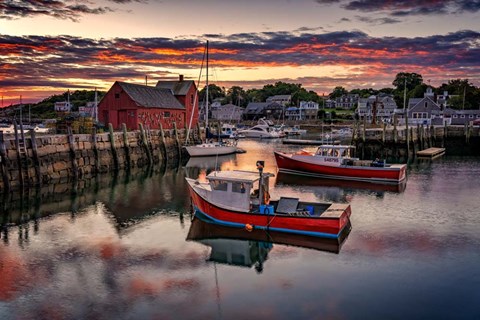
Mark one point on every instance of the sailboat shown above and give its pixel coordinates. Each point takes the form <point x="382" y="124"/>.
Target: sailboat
<point x="210" y="148"/>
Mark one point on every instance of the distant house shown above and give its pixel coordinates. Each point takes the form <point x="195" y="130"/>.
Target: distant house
<point x="347" y="101"/>
<point x="228" y="112"/>
<point x="186" y="93"/>
<point x="309" y="110"/>
<point x="63" y="106"/>
<point x="269" y="110"/>
<point x="383" y="105"/>
<point x="133" y="104"/>
<point x="284" y="99"/>
<point x="420" y="110"/>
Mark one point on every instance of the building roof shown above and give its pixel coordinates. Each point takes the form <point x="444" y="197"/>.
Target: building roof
<point x="179" y="88"/>
<point x="256" y="107"/>
<point x="151" y="97"/>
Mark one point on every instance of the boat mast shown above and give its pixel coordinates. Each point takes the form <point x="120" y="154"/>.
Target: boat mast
<point x="206" y="96"/>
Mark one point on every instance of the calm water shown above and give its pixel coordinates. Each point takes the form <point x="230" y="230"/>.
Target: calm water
<point x="129" y="252"/>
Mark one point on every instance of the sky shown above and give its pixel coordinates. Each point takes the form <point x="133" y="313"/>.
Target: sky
<point x="50" y="46"/>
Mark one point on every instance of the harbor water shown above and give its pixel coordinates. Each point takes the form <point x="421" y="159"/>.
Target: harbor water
<point x="133" y="251"/>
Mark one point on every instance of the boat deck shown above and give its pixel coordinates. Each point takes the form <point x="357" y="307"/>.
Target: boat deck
<point x="294" y="207"/>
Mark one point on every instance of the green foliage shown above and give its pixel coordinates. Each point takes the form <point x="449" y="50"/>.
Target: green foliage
<point x="410" y="79"/>
<point x="338" y="92"/>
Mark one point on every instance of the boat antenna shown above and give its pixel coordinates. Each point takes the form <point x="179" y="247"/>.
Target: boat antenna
<point x="260" y="166"/>
<point x="195" y="98"/>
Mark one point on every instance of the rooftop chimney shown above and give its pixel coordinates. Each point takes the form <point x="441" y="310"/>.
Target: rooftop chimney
<point x="180" y="77"/>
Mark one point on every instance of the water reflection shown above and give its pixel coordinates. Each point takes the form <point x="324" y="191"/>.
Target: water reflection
<point x="352" y="186"/>
<point x="127" y="197"/>
<point x="224" y="240"/>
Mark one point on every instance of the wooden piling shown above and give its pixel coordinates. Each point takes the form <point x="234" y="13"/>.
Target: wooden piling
<point x="364" y="129"/>
<point x="4" y="163"/>
<point x="112" y="146"/>
<point x="163" y="145"/>
<point x="383" y="132"/>
<point x="395" y="131"/>
<point x="177" y="141"/>
<point x="145" y="144"/>
<point x="407" y="136"/>
<point x="72" y="152"/>
<point x="95" y="149"/>
<point x="126" y="146"/>
<point x="36" y="160"/>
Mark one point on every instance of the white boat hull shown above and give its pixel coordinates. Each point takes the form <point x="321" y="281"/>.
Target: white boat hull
<point x="210" y="149"/>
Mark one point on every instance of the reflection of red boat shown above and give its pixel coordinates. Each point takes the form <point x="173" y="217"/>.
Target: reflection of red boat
<point x="200" y="230"/>
<point x="294" y="179"/>
<point x="334" y="162"/>
<point x="229" y="198"/>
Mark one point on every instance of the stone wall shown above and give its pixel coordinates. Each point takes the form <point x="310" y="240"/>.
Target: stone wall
<point x="52" y="158"/>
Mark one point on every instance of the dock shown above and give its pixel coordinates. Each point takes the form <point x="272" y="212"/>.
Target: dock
<point x="431" y="153"/>
<point x="309" y="142"/>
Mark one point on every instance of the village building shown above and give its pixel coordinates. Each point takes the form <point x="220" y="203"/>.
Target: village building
<point x="227" y="112"/>
<point x="383" y="106"/>
<point x="133" y="104"/>
<point x="268" y="110"/>
<point x="347" y="101"/>
<point x="282" y="99"/>
<point x="186" y="92"/>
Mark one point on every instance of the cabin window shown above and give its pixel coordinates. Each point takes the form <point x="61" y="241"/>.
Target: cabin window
<point x="191" y="99"/>
<point x="426" y="105"/>
<point x="117" y="95"/>
<point x="219" y="185"/>
<point x="238" y="187"/>
<point x="166" y="114"/>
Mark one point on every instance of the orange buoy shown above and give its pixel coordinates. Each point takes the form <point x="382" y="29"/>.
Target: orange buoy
<point x="248" y="227"/>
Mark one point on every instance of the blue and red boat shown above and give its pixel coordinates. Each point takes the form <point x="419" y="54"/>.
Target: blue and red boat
<point x="241" y="199"/>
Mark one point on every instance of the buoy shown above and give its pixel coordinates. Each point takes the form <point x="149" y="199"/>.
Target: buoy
<point x="248" y="227"/>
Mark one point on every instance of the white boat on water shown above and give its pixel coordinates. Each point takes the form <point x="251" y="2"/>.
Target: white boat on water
<point x="264" y="129"/>
<point x="295" y="130"/>
<point x="211" y="149"/>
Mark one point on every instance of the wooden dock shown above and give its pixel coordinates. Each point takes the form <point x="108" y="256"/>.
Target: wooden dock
<point x="431" y="153"/>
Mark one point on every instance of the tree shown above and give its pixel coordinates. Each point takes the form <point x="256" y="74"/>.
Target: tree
<point x="411" y="79"/>
<point x="214" y="92"/>
<point x="461" y="88"/>
<point x="236" y="95"/>
<point x="338" y="92"/>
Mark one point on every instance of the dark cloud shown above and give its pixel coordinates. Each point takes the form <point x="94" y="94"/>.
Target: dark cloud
<point x="61" y="9"/>
<point x="400" y="8"/>
<point x="378" y="21"/>
<point x="43" y="61"/>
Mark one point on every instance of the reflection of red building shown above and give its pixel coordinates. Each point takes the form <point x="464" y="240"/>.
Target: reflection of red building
<point x="133" y="104"/>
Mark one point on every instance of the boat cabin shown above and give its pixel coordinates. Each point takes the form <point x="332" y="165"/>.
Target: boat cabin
<point x="238" y="189"/>
<point x="338" y="151"/>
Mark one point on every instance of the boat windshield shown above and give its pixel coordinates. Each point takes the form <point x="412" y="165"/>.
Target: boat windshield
<point x="333" y="152"/>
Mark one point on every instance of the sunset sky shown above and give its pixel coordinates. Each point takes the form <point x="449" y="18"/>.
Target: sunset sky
<point x="50" y="46"/>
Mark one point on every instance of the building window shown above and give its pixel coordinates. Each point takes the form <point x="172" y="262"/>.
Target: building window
<point x="191" y="99"/>
<point x="166" y="114"/>
<point x="117" y="95"/>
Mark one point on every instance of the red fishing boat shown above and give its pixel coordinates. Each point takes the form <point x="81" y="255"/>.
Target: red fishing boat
<point x="241" y="199"/>
<point x="335" y="162"/>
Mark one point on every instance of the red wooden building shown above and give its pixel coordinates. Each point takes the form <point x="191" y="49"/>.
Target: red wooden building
<point x="186" y="92"/>
<point x="133" y="104"/>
